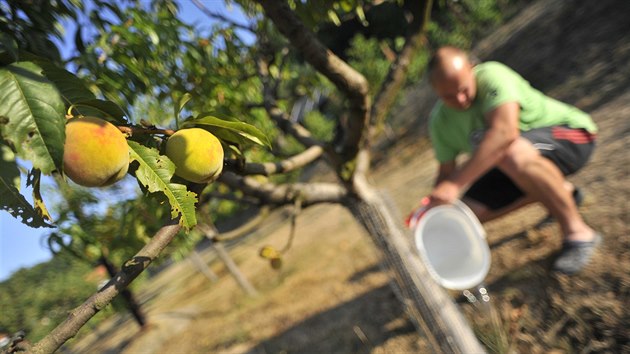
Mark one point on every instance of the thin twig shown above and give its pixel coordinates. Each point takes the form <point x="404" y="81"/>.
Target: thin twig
<point x="220" y="17"/>
<point x="137" y="130"/>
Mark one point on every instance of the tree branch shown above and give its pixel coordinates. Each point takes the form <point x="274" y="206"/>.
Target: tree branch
<point x="392" y="84"/>
<point x="294" y="162"/>
<point x="280" y="117"/>
<point x="241" y="231"/>
<point x="309" y="193"/>
<point x="138" y="130"/>
<point x="345" y="78"/>
<point x="398" y="70"/>
<point x="130" y="270"/>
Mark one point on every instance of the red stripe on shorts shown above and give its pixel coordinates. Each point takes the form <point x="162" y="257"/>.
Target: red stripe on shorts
<point x="576" y="136"/>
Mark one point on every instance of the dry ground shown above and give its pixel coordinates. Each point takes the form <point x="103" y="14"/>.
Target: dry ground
<point x="330" y="295"/>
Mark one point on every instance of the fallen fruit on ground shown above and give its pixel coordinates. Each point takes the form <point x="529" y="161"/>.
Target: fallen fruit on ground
<point x="197" y="155"/>
<point x="96" y="153"/>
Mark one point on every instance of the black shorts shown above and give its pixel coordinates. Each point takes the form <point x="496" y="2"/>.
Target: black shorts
<point x="567" y="148"/>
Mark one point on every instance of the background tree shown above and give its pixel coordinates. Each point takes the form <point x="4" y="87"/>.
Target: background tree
<point x="146" y="62"/>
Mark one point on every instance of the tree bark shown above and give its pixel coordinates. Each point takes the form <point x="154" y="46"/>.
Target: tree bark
<point x="270" y="194"/>
<point x="343" y="76"/>
<point x="126" y="294"/>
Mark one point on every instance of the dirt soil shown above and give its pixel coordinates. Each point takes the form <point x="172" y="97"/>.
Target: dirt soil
<point x="330" y="296"/>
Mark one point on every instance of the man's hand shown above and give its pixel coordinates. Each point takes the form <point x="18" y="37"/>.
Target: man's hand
<point x="412" y="219"/>
<point x="445" y="192"/>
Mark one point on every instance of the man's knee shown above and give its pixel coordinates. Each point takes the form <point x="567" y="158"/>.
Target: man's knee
<point x="518" y="157"/>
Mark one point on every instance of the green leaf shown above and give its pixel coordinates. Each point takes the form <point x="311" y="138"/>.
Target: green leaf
<point x="155" y="39"/>
<point x="71" y="88"/>
<point x="334" y="18"/>
<point x="40" y="44"/>
<point x="34" y="179"/>
<point x="154" y="173"/>
<point x="231" y="130"/>
<point x="361" y="16"/>
<point x="8" y="49"/>
<point x="11" y="200"/>
<point x="78" y="40"/>
<point x="236" y="151"/>
<point x="32" y="116"/>
<point x="101" y="108"/>
<point x="182" y="102"/>
<point x="76" y="94"/>
<point x="180" y="106"/>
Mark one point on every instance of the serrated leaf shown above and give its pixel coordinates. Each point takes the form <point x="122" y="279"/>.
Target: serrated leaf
<point x="154" y="173"/>
<point x="32" y="115"/>
<point x="11" y="200"/>
<point x="246" y="132"/>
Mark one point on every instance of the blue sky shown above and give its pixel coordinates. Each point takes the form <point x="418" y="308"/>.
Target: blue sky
<point x="22" y="246"/>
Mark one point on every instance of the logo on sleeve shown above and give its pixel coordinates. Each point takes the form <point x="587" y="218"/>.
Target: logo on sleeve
<point x="475" y="137"/>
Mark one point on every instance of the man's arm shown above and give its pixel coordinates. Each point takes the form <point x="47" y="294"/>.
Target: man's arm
<point x="501" y="133"/>
<point x="444" y="171"/>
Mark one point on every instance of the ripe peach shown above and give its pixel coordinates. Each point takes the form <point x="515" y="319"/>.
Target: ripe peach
<point x="95" y="152"/>
<point x="197" y="155"/>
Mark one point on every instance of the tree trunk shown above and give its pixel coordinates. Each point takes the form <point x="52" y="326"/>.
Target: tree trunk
<point x="126" y="294"/>
<point x="428" y="305"/>
<point x="201" y="265"/>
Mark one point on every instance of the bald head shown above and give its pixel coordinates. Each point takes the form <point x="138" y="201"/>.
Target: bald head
<point x="447" y="62"/>
<point x="451" y="75"/>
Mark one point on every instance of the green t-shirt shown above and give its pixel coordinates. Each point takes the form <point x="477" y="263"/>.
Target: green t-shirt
<point x="451" y="129"/>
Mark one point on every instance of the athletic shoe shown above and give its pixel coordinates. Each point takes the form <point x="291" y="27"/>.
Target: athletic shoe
<point x="575" y="255"/>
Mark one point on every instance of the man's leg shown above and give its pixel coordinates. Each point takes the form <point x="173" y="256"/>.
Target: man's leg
<point x="540" y="179"/>
<point x="485" y="214"/>
<point x="533" y="169"/>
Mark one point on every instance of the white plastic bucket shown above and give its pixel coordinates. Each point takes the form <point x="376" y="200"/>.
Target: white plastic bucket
<point x="452" y="243"/>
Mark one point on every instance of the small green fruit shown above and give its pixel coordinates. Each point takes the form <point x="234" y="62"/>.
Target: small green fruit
<point x="197" y="155"/>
